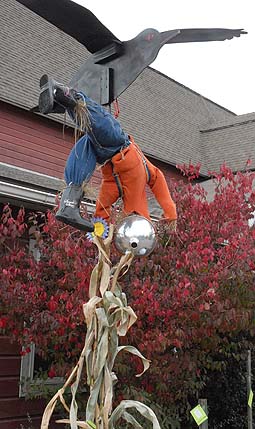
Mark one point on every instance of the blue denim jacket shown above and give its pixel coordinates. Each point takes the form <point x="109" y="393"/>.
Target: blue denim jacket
<point x="98" y="145"/>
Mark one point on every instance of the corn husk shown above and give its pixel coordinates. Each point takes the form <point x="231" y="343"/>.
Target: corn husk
<point x="107" y="317"/>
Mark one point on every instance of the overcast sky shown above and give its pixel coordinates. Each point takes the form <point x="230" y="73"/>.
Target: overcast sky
<point x="221" y="71"/>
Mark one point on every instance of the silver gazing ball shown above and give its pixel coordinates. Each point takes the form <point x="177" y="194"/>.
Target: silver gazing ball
<point x="135" y="234"/>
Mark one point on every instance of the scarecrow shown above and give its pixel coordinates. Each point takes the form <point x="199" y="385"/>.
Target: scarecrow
<point x="125" y="169"/>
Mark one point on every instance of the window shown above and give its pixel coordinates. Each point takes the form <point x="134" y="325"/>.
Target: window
<point x="30" y="364"/>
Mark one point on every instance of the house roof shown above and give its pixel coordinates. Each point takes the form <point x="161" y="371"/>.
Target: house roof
<point x="171" y="122"/>
<point x="237" y="136"/>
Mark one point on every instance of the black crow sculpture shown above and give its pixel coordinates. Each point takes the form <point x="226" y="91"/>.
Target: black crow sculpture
<point x="114" y="64"/>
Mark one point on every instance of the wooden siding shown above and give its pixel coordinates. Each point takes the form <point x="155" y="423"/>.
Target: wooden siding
<point x="14" y="411"/>
<point x="35" y="143"/>
<point x="32" y="142"/>
<point x="9" y="372"/>
<point x="10" y="365"/>
<point x="170" y="172"/>
<point x="7" y="424"/>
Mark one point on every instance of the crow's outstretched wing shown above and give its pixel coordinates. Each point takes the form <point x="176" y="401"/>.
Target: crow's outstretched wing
<point x="204" y="35"/>
<point x="75" y="20"/>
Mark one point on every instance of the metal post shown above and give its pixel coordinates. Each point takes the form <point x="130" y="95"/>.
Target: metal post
<point x="203" y="403"/>
<point x="249" y="409"/>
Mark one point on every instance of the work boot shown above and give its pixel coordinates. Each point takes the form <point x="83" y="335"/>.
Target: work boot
<point x="69" y="210"/>
<point x="54" y="97"/>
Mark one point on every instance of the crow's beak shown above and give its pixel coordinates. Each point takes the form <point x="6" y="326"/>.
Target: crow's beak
<point x="166" y="36"/>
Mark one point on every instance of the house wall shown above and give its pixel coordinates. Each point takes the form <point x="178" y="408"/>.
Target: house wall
<point x="170" y="171"/>
<point x="14" y="411"/>
<point x="35" y="143"/>
<point x="32" y="142"/>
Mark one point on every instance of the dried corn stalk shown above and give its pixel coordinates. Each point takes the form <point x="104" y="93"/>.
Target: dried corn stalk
<point x="107" y="317"/>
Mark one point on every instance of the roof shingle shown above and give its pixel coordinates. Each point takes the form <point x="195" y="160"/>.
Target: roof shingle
<point x="171" y="122"/>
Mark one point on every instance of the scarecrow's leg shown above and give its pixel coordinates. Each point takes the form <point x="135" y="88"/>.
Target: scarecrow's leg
<point x="69" y="210"/>
<point x="131" y="172"/>
<point x="108" y="194"/>
<point x="160" y="189"/>
<point x="79" y="168"/>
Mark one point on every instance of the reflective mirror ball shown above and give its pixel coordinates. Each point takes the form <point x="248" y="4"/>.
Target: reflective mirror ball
<point x="135" y="234"/>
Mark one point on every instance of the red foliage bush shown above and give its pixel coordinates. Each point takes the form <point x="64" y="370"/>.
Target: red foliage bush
<point x="41" y="298"/>
<point x="192" y="296"/>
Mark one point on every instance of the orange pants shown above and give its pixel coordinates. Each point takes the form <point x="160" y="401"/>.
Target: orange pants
<point x="129" y="169"/>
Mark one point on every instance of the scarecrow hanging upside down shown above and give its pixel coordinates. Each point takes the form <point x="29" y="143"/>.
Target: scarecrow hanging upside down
<point x="125" y="169"/>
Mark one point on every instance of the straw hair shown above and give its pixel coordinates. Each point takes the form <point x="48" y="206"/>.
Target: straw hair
<point x="82" y="118"/>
